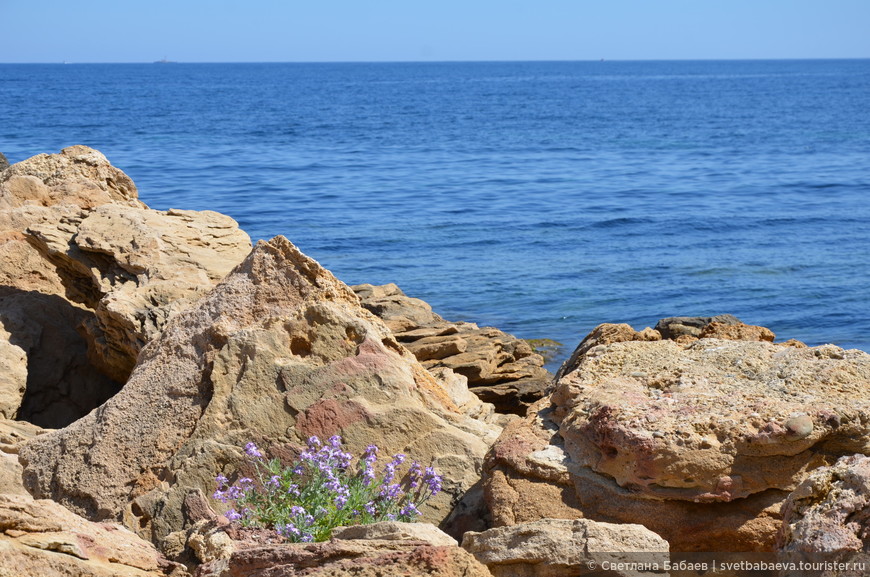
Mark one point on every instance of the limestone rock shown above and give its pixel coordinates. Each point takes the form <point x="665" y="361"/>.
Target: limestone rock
<point x="4" y="162"/>
<point x="79" y="176"/>
<point x="829" y="512"/>
<point x="500" y="368"/>
<point x="42" y="538"/>
<point x="278" y="351"/>
<point x="699" y="441"/>
<point x="12" y="435"/>
<point x="675" y="327"/>
<point x="396" y="531"/>
<point x="359" y="553"/>
<point x="136" y="268"/>
<point x="36" y="319"/>
<point x="88" y="274"/>
<point x="560" y="547"/>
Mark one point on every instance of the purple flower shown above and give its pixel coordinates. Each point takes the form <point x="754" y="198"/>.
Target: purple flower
<point x="275" y="481"/>
<point x="313" y="442"/>
<point x="391" y="491"/>
<point x="409" y="510"/>
<point x="433" y="480"/>
<point x="233" y="515"/>
<point x="415" y="472"/>
<point x="340" y="502"/>
<point x="296" y="510"/>
<point x="252" y="450"/>
<point x="370" y="508"/>
<point x="221" y="480"/>
<point x="220" y="496"/>
<point x="335" y="442"/>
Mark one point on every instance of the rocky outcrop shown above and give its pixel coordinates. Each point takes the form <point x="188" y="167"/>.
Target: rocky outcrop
<point x="12" y="435"/>
<point x="699" y="440"/>
<point x="500" y="368"/>
<point x="88" y="274"/>
<point x="136" y="268"/>
<point x="43" y="538"/>
<point x="829" y="512"/>
<point x="560" y="547"/>
<point x="4" y="162"/>
<point x="280" y="350"/>
<point x="411" y="550"/>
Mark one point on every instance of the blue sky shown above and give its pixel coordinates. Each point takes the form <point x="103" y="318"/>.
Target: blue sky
<point x="402" y="30"/>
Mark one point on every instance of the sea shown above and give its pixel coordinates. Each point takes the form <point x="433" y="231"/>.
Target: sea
<point x="543" y="198"/>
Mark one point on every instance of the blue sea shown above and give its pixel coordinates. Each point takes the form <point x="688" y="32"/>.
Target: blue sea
<point x="543" y="198"/>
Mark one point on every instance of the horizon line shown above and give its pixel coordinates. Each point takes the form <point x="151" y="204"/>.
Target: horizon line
<point x="164" y="61"/>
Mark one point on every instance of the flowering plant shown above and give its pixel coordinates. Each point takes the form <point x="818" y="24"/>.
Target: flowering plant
<point x="321" y="491"/>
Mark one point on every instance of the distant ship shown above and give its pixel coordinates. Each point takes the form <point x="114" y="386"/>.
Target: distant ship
<point x="164" y="61"/>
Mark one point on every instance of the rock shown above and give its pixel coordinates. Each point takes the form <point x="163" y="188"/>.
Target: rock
<point x="4" y="163"/>
<point x="500" y="369"/>
<point x="699" y="441"/>
<point x="396" y="531"/>
<point x="366" y="551"/>
<point x="136" y="268"/>
<point x="79" y="176"/>
<point x="280" y="350"/>
<point x="88" y="274"/>
<point x="675" y="327"/>
<point x="42" y="352"/>
<point x="560" y="547"/>
<point x="12" y="435"/>
<point x="43" y="538"/>
<point x="829" y="512"/>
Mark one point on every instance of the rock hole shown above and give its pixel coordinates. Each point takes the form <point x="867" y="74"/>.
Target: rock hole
<point x="300" y="346"/>
<point x="61" y="383"/>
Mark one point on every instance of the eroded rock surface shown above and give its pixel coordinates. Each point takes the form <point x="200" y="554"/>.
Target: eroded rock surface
<point x="280" y="350"/>
<point x="563" y="548"/>
<point x="500" y="368"/>
<point x="829" y="512"/>
<point x="699" y="440"/>
<point x="39" y="537"/>
<point x="88" y="274"/>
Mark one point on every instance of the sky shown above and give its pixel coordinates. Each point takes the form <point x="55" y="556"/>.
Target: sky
<point x="420" y="30"/>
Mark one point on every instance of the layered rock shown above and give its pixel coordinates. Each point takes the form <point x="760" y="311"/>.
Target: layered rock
<point x="12" y="435"/>
<point x="829" y="512"/>
<point x="500" y="368"/>
<point x="42" y="538"/>
<point x="366" y="551"/>
<point x="561" y="547"/>
<point x="280" y="350"/>
<point x="699" y="440"/>
<point x="88" y="274"/>
<point x="136" y="268"/>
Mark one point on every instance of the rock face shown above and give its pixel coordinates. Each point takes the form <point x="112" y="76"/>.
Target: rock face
<point x="829" y="512"/>
<point x="414" y="550"/>
<point x="699" y="441"/>
<point x="12" y="435"/>
<point x="561" y="547"/>
<point x="500" y="369"/>
<point x="88" y="274"/>
<point x="43" y="538"/>
<point x="277" y="352"/>
<point x="136" y="268"/>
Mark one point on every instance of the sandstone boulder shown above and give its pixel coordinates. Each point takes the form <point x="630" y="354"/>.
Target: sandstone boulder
<point x="560" y="547"/>
<point x="42" y="350"/>
<point x="12" y="435"/>
<point x="364" y="551"/>
<point x="88" y="274"/>
<point x="278" y="351"/>
<point x="501" y="369"/>
<point x="699" y="440"/>
<point x="42" y="538"/>
<point x="829" y="512"/>
<point x="136" y="268"/>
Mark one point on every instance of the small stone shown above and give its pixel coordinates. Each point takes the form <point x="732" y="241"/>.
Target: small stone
<point x="798" y="427"/>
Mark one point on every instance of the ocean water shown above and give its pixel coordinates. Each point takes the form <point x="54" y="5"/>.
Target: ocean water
<point x="543" y="198"/>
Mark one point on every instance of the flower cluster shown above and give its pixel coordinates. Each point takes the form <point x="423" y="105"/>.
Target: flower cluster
<point x="321" y="491"/>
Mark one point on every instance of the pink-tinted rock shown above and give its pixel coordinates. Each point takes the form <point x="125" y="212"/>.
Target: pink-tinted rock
<point x="699" y="441"/>
<point x="278" y="351"/>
